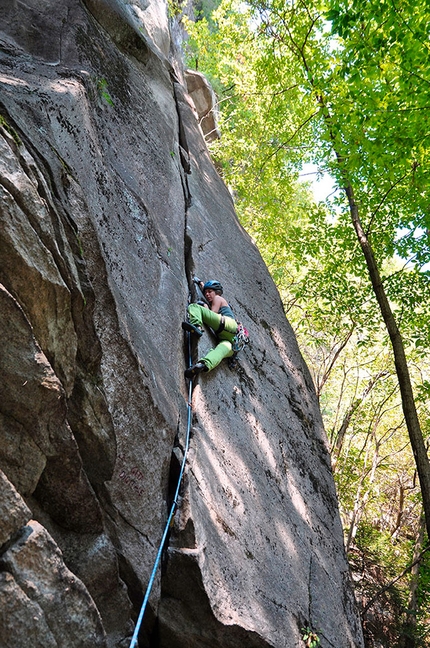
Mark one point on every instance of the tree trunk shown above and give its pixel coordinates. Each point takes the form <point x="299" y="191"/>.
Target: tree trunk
<point x="353" y="407"/>
<point x="361" y="500"/>
<point x="408" y="402"/>
<point x="408" y="639"/>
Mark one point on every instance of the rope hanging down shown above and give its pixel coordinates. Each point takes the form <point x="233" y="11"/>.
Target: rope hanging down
<point x="133" y="642"/>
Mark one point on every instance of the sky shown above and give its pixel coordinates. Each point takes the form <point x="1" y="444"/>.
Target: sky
<point x="322" y="185"/>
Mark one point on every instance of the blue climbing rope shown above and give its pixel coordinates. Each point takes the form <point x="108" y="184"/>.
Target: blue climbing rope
<point x="133" y="642"/>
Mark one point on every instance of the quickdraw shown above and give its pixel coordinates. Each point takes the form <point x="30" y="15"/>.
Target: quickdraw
<point x="241" y="339"/>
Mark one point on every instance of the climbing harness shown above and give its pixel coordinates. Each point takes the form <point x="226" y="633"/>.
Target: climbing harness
<point x="221" y="326"/>
<point x="134" y="638"/>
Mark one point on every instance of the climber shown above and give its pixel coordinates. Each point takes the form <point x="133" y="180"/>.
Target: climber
<point x="217" y="314"/>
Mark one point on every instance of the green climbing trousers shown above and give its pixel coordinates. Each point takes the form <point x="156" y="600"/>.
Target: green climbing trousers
<point x="200" y="315"/>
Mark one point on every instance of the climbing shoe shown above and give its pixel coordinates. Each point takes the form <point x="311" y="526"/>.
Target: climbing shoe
<point x="195" y="369"/>
<point x="196" y="330"/>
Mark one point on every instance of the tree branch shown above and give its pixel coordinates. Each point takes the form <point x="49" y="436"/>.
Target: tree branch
<point x="393" y="582"/>
<point x="284" y="144"/>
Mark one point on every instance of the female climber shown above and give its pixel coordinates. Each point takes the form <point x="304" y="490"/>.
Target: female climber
<point x="220" y="318"/>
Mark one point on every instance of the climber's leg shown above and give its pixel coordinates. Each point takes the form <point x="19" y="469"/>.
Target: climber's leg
<point x="200" y="315"/>
<point x="223" y="350"/>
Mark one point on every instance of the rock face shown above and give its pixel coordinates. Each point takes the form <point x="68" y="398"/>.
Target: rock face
<point x="109" y="203"/>
<point x="205" y="103"/>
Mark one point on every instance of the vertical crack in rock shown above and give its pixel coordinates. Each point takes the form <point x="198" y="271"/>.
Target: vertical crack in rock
<point x="186" y="170"/>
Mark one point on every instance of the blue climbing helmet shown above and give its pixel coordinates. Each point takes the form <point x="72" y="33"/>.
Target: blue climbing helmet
<point x="213" y="285"/>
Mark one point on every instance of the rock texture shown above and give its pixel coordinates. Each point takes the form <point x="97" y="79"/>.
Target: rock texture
<point x="109" y="203"/>
<point x="205" y="103"/>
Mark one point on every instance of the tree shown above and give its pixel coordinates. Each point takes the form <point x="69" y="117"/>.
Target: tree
<point x="373" y="161"/>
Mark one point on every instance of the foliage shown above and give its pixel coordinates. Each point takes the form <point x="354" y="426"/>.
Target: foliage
<point x="310" y="638"/>
<point x="374" y="562"/>
<point x="256" y="132"/>
<point x="102" y="87"/>
<point x="5" y="124"/>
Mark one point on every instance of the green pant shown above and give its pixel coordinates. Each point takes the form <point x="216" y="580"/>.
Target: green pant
<point x="200" y="315"/>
